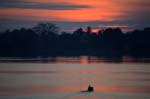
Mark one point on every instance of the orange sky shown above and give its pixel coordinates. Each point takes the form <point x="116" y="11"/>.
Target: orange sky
<point x="74" y="10"/>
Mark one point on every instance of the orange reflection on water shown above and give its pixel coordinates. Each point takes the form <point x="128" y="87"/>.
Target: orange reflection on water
<point x="48" y="89"/>
<point x="84" y="59"/>
<point x="79" y="59"/>
<point x="103" y="79"/>
<point x="128" y="89"/>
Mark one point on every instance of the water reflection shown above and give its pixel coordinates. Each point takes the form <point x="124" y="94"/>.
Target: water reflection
<point x="80" y="59"/>
<point x="96" y="72"/>
<point x="41" y="80"/>
<point x="54" y="89"/>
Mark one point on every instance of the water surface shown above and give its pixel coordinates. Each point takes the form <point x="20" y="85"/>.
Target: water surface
<point x="111" y="80"/>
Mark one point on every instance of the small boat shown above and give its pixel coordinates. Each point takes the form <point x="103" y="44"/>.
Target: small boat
<point x="90" y="89"/>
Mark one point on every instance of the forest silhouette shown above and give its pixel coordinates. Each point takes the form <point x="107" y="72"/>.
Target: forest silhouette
<point x="44" y="40"/>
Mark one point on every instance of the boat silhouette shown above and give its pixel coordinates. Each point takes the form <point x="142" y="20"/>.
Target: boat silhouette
<point x="90" y="89"/>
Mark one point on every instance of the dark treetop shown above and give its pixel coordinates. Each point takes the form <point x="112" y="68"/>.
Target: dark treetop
<point x="44" y="40"/>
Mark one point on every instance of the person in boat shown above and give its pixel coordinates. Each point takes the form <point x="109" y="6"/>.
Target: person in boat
<point x="90" y="88"/>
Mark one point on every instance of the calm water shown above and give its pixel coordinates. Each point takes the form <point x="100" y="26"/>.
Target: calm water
<point x="111" y="80"/>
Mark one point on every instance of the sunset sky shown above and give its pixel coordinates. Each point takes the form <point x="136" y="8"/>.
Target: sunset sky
<point x="72" y="14"/>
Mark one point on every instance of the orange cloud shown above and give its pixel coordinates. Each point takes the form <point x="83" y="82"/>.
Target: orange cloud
<point x="105" y="10"/>
<point x="94" y="10"/>
<point x="58" y="15"/>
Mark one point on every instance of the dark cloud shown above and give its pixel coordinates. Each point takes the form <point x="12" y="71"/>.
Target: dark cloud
<point x="36" y="5"/>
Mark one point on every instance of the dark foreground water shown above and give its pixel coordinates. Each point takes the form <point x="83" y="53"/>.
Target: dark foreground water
<point x="111" y="80"/>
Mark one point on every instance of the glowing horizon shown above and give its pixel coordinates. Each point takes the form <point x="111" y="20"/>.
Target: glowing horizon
<point x="129" y="13"/>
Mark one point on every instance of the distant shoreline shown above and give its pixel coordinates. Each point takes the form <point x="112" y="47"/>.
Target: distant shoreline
<point x="75" y="59"/>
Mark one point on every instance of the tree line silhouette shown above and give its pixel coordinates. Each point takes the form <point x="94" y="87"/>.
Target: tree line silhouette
<point x="44" y="40"/>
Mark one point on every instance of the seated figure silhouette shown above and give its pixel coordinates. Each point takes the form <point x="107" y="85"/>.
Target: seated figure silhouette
<point x="90" y="88"/>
